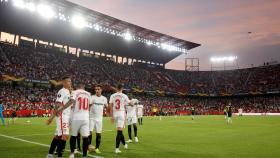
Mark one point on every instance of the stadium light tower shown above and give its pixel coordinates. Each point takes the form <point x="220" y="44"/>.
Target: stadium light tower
<point x="78" y="22"/>
<point x="224" y="60"/>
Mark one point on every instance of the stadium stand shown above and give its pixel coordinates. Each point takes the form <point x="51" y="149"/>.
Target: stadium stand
<point x="27" y="72"/>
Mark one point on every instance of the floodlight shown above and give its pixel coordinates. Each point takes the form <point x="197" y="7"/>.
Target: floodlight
<point x="45" y="11"/>
<point x="97" y="27"/>
<point x="19" y="3"/>
<point x="30" y="6"/>
<point x="127" y="36"/>
<point x="78" y="21"/>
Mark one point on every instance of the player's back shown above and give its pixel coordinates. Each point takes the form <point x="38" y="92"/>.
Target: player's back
<point x="81" y="105"/>
<point x="119" y="101"/>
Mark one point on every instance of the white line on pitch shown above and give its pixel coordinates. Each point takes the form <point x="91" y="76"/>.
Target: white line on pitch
<point x="45" y="145"/>
<point x="30" y="135"/>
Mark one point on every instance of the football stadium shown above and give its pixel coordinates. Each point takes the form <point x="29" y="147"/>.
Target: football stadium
<point x="76" y="82"/>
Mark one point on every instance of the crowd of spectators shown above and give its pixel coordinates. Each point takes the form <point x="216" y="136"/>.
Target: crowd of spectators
<point x="52" y="65"/>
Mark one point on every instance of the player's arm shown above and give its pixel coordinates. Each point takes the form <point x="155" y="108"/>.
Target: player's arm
<point x="91" y="101"/>
<point x="111" y="111"/>
<point x="68" y="104"/>
<point x="54" y="112"/>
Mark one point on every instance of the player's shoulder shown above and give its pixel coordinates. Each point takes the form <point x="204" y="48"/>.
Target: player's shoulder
<point x="82" y="92"/>
<point x="114" y="94"/>
<point x="62" y="90"/>
<point x="103" y="97"/>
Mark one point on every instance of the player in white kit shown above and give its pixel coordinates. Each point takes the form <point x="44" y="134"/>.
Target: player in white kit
<point x="132" y="120"/>
<point x="80" y="117"/>
<point x="139" y="109"/>
<point x="62" y="119"/>
<point x="98" y="102"/>
<point x="117" y="104"/>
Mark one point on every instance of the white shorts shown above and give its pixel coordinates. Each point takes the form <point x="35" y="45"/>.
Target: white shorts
<point x="81" y="126"/>
<point x="131" y="120"/>
<point x="119" y="118"/>
<point x="62" y="125"/>
<point x="139" y="115"/>
<point x="95" y="124"/>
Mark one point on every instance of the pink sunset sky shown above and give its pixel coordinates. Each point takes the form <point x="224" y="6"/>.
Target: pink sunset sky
<point x="220" y="26"/>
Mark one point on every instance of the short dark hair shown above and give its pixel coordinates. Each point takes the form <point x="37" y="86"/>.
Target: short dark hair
<point x="66" y="77"/>
<point x="81" y="85"/>
<point x="98" y="85"/>
<point x="119" y="86"/>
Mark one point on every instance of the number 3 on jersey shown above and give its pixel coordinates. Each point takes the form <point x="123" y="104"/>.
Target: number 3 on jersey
<point x="118" y="102"/>
<point x="83" y="103"/>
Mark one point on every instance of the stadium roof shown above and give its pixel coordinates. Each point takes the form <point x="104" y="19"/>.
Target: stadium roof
<point x="16" y="22"/>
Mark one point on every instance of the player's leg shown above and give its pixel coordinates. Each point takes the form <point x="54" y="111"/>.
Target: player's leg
<point x="229" y="120"/>
<point x="120" y="128"/>
<point x="55" y="140"/>
<point x="120" y="137"/>
<point x="98" y="136"/>
<point x="141" y="120"/>
<point x="63" y="133"/>
<point x="135" y="132"/>
<point x="2" y="119"/>
<point x="129" y="122"/>
<point x="85" y="133"/>
<point x="79" y="142"/>
<point x="52" y="147"/>
<point x="91" y="127"/>
<point x="134" y="123"/>
<point x="75" y="126"/>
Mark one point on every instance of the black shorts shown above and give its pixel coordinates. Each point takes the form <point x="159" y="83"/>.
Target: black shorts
<point x="229" y="114"/>
<point x="14" y="115"/>
<point x="193" y="113"/>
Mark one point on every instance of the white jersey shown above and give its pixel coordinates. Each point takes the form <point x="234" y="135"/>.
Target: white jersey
<point x="131" y="111"/>
<point x="63" y="96"/>
<point x="119" y="101"/>
<point x="139" y="110"/>
<point x="96" y="110"/>
<point x="81" y="105"/>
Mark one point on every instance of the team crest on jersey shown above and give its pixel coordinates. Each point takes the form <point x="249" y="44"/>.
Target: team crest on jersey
<point x="59" y="95"/>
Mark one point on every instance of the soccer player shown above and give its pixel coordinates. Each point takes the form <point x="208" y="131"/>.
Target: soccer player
<point x="240" y="111"/>
<point x="140" y="113"/>
<point x="229" y="114"/>
<point x="14" y="115"/>
<point x="117" y="104"/>
<point x="1" y="113"/>
<point x="80" y="117"/>
<point x="132" y="120"/>
<point x="62" y="120"/>
<point x="225" y="112"/>
<point x="193" y="113"/>
<point x="98" y="102"/>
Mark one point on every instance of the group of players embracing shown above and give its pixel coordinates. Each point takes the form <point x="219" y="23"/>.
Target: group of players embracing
<point x="82" y="112"/>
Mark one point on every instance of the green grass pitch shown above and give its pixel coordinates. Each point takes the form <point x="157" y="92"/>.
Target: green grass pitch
<point x="176" y="137"/>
